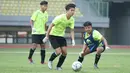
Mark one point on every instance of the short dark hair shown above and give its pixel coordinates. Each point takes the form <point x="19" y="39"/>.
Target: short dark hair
<point x="88" y="23"/>
<point x="70" y="5"/>
<point x="43" y="3"/>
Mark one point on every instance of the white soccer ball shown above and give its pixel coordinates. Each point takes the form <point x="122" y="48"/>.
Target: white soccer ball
<point x="76" y="66"/>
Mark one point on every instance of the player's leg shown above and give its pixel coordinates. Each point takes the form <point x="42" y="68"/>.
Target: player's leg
<point x="53" y="56"/>
<point x="63" y="44"/>
<point x="33" y="48"/>
<point x="62" y="58"/>
<point x="43" y="51"/>
<point x="98" y="55"/>
<point x="84" y="52"/>
<point x="56" y="46"/>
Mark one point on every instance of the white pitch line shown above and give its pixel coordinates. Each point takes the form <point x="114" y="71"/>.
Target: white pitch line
<point x="17" y="52"/>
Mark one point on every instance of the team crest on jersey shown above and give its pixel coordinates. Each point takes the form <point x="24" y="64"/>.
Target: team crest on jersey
<point x="89" y="41"/>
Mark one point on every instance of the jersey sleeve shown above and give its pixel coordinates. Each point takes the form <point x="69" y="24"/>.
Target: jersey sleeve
<point x="72" y="24"/>
<point x="34" y="15"/>
<point x="56" y="20"/>
<point x="84" y="36"/>
<point x="97" y="35"/>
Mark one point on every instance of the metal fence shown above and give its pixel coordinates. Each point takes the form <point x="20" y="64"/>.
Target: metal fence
<point x="24" y="37"/>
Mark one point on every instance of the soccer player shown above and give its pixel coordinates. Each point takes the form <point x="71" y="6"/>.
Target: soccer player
<point x="93" y="42"/>
<point x="56" y="32"/>
<point x="38" y="24"/>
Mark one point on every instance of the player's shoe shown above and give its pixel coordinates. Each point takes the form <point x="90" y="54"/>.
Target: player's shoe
<point x="58" y="68"/>
<point x="43" y="62"/>
<point x="95" y="66"/>
<point x="31" y="61"/>
<point x="50" y="64"/>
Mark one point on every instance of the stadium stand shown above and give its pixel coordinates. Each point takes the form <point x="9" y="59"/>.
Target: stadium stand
<point x="27" y="7"/>
<point x="15" y="17"/>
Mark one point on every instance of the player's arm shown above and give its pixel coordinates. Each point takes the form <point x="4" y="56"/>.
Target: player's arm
<point x="84" y="47"/>
<point x="49" y="30"/>
<point x="54" y="22"/>
<point x="72" y="32"/>
<point x="97" y="36"/>
<point x="32" y="23"/>
<point x="84" y="50"/>
<point x="33" y="18"/>
<point x="46" y="22"/>
<point x="105" y="41"/>
<point x="72" y="36"/>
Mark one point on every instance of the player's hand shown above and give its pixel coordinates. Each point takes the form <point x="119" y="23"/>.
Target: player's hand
<point x="73" y="42"/>
<point x="107" y="48"/>
<point x="33" y="29"/>
<point x="45" y="39"/>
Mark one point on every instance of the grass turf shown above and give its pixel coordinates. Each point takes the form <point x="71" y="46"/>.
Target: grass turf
<point x="112" y="61"/>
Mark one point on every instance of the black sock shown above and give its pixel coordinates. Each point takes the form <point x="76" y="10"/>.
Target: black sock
<point x="43" y="56"/>
<point x="97" y="57"/>
<point x="61" y="60"/>
<point x="53" y="56"/>
<point x="31" y="53"/>
<point x="80" y="59"/>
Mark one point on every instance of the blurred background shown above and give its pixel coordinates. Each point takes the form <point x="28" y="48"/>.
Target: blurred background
<point x="110" y="17"/>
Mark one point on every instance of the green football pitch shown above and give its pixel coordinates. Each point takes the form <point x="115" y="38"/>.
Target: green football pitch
<point x="112" y="61"/>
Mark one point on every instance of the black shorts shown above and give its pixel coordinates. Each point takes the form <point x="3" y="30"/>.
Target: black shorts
<point x="103" y="46"/>
<point x="37" y="38"/>
<point x="57" y="41"/>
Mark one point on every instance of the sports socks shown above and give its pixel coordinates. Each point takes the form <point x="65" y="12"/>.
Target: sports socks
<point x="61" y="61"/>
<point x="31" y="53"/>
<point x="43" y="52"/>
<point x="80" y="59"/>
<point x="97" y="57"/>
<point x="53" y="56"/>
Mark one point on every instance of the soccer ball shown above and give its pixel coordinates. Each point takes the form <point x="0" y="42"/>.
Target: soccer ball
<point x="76" y="66"/>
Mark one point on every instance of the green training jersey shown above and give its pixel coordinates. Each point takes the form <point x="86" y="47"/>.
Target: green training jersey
<point x="40" y="19"/>
<point x="60" y="23"/>
<point x="95" y="36"/>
